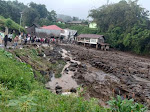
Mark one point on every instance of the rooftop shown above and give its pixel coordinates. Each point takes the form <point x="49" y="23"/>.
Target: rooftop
<point x="51" y="27"/>
<point x="90" y="36"/>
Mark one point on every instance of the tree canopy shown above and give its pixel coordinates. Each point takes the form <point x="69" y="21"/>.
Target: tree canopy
<point x="31" y="14"/>
<point x="125" y="24"/>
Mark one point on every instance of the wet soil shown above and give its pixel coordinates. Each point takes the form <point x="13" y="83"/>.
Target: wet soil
<point x="110" y="73"/>
<point x="103" y="73"/>
<point x="65" y="81"/>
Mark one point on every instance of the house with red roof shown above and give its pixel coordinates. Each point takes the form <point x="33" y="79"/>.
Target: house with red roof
<point x="51" y="27"/>
<point x="48" y="31"/>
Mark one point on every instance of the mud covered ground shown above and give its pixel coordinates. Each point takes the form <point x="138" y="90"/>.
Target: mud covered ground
<point x="102" y="74"/>
<point x="109" y="73"/>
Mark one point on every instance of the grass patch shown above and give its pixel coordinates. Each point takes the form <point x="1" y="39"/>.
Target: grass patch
<point x="58" y="67"/>
<point x="39" y="63"/>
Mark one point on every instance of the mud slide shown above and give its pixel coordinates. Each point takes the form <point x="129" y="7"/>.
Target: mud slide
<point x="65" y="81"/>
<point x="123" y="74"/>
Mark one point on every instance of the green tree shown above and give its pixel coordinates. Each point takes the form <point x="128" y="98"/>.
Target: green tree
<point x="30" y="16"/>
<point x="125" y="24"/>
<point x="41" y="9"/>
<point x="12" y="10"/>
<point x="52" y="16"/>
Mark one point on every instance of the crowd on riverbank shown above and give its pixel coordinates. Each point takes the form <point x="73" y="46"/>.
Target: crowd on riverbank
<point x="24" y="39"/>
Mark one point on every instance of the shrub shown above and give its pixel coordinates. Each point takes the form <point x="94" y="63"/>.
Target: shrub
<point x="119" y="105"/>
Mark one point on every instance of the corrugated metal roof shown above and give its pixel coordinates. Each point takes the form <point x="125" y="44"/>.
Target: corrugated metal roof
<point x="51" y="27"/>
<point x="90" y="36"/>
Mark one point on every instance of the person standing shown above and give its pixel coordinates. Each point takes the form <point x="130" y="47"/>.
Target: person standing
<point x="20" y="39"/>
<point x="10" y="36"/>
<point x="25" y="39"/>
<point x="16" y="40"/>
<point x="5" y="40"/>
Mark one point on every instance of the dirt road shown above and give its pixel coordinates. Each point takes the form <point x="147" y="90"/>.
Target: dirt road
<point x="115" y="73"/>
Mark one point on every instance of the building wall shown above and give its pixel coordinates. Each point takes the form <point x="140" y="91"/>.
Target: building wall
<point x="60" y="22"/>
<point x="87" y="40"/>
<point x="101" y="40"/>
<point x="31" y="30"/>
<point x="68" y="34"/>
<point x="93" y="41"/>
<point x="65" y="34"/>
<point x="56" y="33"/>
<point x="92" y="25"/>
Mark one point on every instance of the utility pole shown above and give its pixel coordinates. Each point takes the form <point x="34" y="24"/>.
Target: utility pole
<point x="107" y="2"/>
<point x="20" y="20"/>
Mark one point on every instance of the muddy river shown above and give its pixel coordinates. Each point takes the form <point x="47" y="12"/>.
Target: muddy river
<point x="65" y="81"/>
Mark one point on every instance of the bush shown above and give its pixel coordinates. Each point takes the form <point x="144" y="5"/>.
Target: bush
<point x="10" y="24"/>
<point x="119" y="105"/>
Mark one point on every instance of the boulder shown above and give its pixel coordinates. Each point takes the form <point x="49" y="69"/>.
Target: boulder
<point x="41" y="54"/>
<point x="74" y="64"/>
<point x="72" y="69"/>
<point x="58" y="89"/>
<point x="43" y="72"/>
<point x="67" y="59"/>
<point x="83" y="66"/>
<point x="73" y="90"/>
<point x="51" y="74"/>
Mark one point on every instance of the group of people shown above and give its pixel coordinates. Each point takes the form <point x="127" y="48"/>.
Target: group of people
<point x="9" y="38"/>
<point x="27" y="38"/>
<point x="32" y="39"/>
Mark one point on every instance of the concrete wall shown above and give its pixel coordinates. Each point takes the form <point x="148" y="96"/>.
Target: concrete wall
<point x="39" y="31"/>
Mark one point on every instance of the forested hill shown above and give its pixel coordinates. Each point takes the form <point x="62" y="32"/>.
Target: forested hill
<point x="125" y="24"/>
<point x="34" y="13"/>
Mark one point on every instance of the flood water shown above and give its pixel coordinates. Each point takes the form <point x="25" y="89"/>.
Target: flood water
<point x="65" y="81"/>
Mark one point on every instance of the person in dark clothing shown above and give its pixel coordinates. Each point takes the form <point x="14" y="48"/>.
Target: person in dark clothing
<point x="26" y="39"/>
<point x="5" y="40"/>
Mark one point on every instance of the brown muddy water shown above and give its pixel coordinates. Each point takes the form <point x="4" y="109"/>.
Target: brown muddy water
<point x="65" y="81"/>
<point x="92" y="74"/>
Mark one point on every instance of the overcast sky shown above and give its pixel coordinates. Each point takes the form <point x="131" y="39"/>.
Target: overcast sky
<point x="78" y="8"/>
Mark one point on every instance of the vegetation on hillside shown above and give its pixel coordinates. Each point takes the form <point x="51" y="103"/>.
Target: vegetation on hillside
<point x="125" y="24"/>
<point x="10" y="24"/>
<point x="119" y="105"/>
